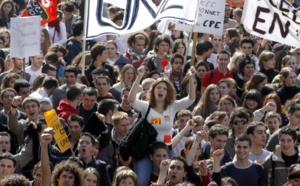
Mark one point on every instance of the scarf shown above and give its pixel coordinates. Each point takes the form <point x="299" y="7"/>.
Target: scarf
<point x="173" y="73"/>
<point x="135" y="57"/>
<point x="55" y="24"/>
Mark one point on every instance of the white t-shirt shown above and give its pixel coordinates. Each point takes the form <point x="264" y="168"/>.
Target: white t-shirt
<point x="33" y="74"/>
<point x="163" y="123"/>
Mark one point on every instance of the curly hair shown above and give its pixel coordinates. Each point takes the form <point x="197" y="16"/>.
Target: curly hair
<point x="138" y="36"/>
<point x="68" y="166"/>
<point x="171" y="93"/>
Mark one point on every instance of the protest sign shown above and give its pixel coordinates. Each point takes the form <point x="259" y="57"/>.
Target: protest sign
<point x="210" y="18"/>
<point x="60" y="136"/>
<point x="276" y="20"/>
<point x="25" y="36"/>
<point x="138" y="15"/>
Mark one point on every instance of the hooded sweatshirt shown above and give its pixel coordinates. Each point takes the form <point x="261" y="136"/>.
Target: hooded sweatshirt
<point x="65" y="109"/>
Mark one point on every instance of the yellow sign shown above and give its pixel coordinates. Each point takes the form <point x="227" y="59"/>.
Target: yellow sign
<point x="60" y="136"/>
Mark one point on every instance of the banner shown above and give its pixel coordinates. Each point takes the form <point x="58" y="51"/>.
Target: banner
<point x="276" y="20"/>
<point x="60" y="135"/>
<point x="25" y="34"/>
<point x="47" y="9"/>
<point x="138" y="15"/>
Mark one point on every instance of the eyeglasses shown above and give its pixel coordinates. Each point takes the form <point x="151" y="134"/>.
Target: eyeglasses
<point x="240" y="122"/>
<point x="226" y="104"/>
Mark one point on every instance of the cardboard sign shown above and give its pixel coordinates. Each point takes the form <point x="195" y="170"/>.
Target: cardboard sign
<point x="275" y="20"/>
<point x="60" y="136"/>
<point x="210" y="18"/>
<point x="25" y="36"/>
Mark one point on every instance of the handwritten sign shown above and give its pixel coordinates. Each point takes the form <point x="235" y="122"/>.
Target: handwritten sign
<point x="25" y="34"/>
<point x="275" y="20"/>
<point x="60" y="136"/>
<point x="210" y="18"/>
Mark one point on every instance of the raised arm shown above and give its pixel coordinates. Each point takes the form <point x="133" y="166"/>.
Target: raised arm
<point x="46" y="139"/>
<point x="13" y="125"/>
<point x="188" y="127"/>
<point x="164" y="166"/>
<point x="192" y="152"/>
<point x="135" y="87"/>
<point x="192" y="90"/>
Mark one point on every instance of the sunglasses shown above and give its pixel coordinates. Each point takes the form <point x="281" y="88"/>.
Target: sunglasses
<point x="241" y="122"/>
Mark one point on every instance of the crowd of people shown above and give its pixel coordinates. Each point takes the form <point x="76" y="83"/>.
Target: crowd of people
<point x="226" y="115"/>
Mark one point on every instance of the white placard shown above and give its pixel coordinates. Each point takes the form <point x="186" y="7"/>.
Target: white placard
<point x="210" y="18"/>
<point x="276" y="20"/>
<point x="25" y="36"/>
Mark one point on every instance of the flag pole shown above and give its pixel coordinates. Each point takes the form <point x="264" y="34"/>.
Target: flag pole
<point x="84" y="38"/>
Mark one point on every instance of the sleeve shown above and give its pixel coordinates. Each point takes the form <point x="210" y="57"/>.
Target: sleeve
<point x="205" y="79"/>
<point x="263" y="179"/>
<point x="63" y="34"/>
<point x="140" y="106"/>
<point x="206" y="180"/>
<point x="273" y="141"/>
<point x="71" y="53"/>
<point x="216" y="177"/>
<point x="16" y="127"/>
<point x="105" y="180"/>
<point x="182" y="104"/>
<point x="267" y="164"/>
<point x="56" y="98"/>
<point x="24" y="156"/>
<point x="258" y="115"/>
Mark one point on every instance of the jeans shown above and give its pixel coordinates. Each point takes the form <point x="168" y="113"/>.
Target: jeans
<point x="143" y="170"/>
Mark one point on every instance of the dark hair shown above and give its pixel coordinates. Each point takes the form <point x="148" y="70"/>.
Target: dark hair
<point x="158" y="145"/>
<point x="51" y="56"/>
<point x="288" y="131"/>
<point x="254" y="95"/>
<point x="40" y="124"/>
<point x="243" y="137"/>
<point x="76" y="117"/>
<point x="77" y="28"/>
<point x="138" y="36"/>
<point x="20" y="83"/>
<point x="247" y="40"/>
<point x="71" y="69"/>
<point x="90" y="91"/>
<point x="67" y="6"/>
<point x="50" y="82"/>
<point x="177" y="55"/>
<point x="118" y="16"/>
<point x="246" y="61"/>
<point x="217" y="130"/>
<point x="240" y="113"/>
<point x="292" y="108"/>
<point x="15" y="180"/>
<point x="106" y="105"/>
<point x="229" y="180"/>
<point x="73" y="92"/>
<point x="203" y="47"/>
<point x="97" y="50"/>
<point x="185" y="165"/>
<point x="8" y="156"/>
<point x="48" y="67"/>
<point x="93" y="139"/>
<point x="160" y="39"/>
<point x="223" y="52"/>
<point x="252" y="126"/>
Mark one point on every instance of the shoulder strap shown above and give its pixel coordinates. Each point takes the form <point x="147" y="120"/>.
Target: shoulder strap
<point x="148" y="110"/>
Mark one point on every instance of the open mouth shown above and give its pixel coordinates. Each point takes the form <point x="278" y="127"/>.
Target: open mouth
<point x="3" y="150"/>
<point x="83" y="150"/>
<point x="160" y="95"/>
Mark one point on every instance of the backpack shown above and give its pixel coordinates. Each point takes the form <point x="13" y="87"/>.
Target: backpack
<point x="138" y="139"/>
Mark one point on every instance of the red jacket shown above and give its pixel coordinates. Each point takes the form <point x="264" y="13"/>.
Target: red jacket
<point x="65" y="110"/>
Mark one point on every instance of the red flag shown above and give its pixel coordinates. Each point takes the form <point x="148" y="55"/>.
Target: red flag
<point x="47" y="9"/>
